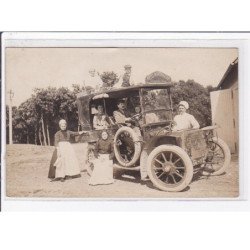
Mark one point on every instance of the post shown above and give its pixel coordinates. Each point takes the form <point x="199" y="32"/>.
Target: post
<point x="11" y="93"/>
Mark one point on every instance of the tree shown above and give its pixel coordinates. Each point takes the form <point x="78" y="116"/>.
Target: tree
<point x="198" y="98"/>
<point x="109" y="78"/>
<point x="36" y="119"/>
<point x="210" y="88"/>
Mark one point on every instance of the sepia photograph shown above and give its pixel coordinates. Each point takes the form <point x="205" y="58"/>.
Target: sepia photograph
<point x="121" y="122"/>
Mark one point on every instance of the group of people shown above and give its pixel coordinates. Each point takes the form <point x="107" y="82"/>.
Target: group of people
<point x="122" y="116"/>
<point x="64" y="163"/>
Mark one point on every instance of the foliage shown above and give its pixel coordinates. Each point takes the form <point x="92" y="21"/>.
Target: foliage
<point x="36" y="119"/>
<point x="197" y="97"/>
<point x="109" y="78"/>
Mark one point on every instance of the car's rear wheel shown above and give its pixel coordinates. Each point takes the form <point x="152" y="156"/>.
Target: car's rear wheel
<point x="170" y="168"/>
<point x="218" y="158"/>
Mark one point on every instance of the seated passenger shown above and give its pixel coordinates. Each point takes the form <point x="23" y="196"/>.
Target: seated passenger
<point x="138" y="117"/>
<point x="184" y="120"/>
<point x="100" y="119"/>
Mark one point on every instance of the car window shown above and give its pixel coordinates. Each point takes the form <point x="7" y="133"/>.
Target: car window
<point x="156" y="99"/>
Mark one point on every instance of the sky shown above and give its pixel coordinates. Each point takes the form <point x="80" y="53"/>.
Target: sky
<point x="29" y="68"/>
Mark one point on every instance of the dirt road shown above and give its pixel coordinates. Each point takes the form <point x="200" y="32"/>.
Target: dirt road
<point x="27" y="170"/>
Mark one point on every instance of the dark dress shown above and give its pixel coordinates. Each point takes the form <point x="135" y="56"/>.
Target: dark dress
<point x="61" y="135"/>
<point x="105" y="147"/>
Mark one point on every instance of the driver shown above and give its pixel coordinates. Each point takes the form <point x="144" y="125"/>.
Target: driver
<point x="121" y="115"/>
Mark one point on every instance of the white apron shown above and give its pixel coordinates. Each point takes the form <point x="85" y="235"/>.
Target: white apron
<point x="103" y="171"/>
<point x="67" y="163"/>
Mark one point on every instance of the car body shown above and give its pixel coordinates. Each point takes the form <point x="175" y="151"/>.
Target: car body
<point x="169" y="157"/>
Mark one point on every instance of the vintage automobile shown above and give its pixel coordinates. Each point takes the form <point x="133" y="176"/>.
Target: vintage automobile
<point x="170" y="157"/>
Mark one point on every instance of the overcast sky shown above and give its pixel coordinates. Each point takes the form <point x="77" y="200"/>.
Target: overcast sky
<point x="28" y="68"/>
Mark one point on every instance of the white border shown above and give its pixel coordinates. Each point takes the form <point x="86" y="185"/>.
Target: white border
<point x="116" y="39"/>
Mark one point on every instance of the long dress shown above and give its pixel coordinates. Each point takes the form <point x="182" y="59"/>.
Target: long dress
<point x="67" y="164"/>
<point x="103" y="163"/>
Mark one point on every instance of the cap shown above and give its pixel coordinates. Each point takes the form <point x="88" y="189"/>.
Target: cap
<point x="184" y="104"/>
<point x="120" y="101"/>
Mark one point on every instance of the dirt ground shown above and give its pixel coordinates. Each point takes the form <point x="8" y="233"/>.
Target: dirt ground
<point x="27" y="171"/>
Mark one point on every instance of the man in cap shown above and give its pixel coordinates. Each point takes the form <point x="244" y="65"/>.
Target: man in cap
<point x="121" y="115"/>
<point x="184" y="120"/>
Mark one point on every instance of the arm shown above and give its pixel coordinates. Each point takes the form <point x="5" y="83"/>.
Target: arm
<point x="95" y="123"/>
<point x="175" y="128"/>
<point x="194" y="122"/>
<point x="56" y="139"/>
<point x="96" y="150"/>
<point x="73" y="133"/>
<point x="112" y="154"/>
<point x="120" y="118"/>
<point x="56" y="142"/>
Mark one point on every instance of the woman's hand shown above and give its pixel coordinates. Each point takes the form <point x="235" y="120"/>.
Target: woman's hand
<point x="82" y="132"/>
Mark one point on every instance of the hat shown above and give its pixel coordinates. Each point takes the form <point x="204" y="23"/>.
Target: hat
<point x="120" y="101"/>
<point x="184" y="104"/>
<point x="127" y="66"/>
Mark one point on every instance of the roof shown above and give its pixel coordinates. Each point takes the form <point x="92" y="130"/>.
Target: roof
<point x="229" y="69"/>
<point x="114" y="92"/>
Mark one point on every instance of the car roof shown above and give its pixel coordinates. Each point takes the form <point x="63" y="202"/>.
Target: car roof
<point x="116" y="92"/>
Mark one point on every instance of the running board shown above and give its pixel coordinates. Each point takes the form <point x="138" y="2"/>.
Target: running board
<point x="126" y="168"/>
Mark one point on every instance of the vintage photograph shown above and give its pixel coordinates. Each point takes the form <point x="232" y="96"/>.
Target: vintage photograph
<point x="124" y="122"/>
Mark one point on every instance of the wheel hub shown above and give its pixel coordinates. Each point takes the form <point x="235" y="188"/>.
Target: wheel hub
<point x="168" y="167"/>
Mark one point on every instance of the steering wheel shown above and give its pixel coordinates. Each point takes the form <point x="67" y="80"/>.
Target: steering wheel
<point x="168" y="127"/>
<point x="136" y="116"/>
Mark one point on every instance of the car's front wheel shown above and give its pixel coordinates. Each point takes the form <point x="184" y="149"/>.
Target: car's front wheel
<point x="170" y="168"/>
<point x="218" y="158"/>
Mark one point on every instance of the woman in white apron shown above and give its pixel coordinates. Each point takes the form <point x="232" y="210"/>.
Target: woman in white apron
<point x="66" y="164"/>
<point x="103" y="162"/>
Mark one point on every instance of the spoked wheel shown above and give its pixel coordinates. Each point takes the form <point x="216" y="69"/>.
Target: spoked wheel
<point x="170" y="168"/>
<point x="218" y="158"/>
<point x="127" y="146"/>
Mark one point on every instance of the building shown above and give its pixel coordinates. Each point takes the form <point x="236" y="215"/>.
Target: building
<point x="225" y="107"/>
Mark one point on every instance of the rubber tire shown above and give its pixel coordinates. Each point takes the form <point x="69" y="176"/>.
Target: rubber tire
<point x="143" y="163"/>
<point x="186" y="160"/>
<point x="138" y="147"/>
<point x="227" y="155"/>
